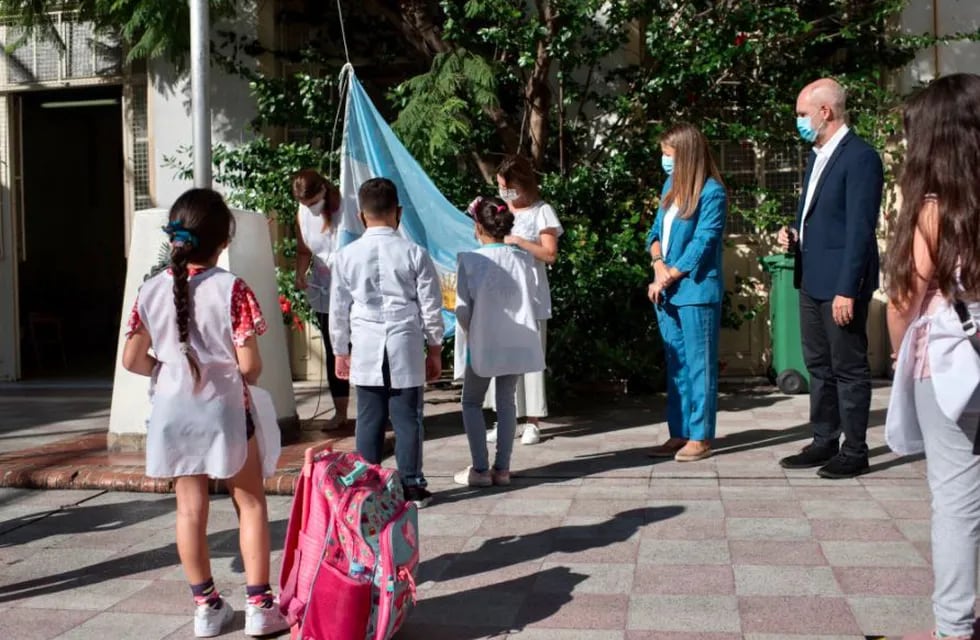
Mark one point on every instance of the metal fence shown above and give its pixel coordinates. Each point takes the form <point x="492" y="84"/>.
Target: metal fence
<point x="69" y="51"/>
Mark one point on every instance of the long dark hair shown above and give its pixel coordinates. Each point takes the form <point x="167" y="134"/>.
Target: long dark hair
<point x="200" y="224"/>
<point x="693" y="165"/>
<point x="942" y="130"/>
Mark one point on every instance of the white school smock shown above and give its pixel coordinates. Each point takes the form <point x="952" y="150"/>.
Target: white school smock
<point x="954" y="373"/>
<point x="200" y="432"/>
<point x="323" y="245"/>
<point x="528" y="224"/>
<point x="497" y="298"/>
<point x="385" y="296"/>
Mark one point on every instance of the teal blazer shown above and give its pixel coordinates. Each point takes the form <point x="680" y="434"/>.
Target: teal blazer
<point x="695" y="247"/>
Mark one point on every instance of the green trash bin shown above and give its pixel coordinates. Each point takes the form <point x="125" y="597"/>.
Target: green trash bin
<point x="788" y="367"/>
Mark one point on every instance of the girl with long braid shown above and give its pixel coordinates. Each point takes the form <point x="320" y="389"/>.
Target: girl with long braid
<point x="202" y="323"/>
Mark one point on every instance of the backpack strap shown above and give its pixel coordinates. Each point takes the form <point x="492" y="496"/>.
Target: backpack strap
<point x="289" y="574"/>
<point x="969" y="324"/>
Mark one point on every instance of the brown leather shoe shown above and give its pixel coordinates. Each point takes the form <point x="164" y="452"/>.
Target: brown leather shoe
<point x="668" y="449"/>
<point x="693" y="451"/>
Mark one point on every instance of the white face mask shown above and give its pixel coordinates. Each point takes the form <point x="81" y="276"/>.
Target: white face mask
<point x="508" y="195"/>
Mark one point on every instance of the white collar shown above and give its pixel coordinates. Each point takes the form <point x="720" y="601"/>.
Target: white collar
<point x="379" y="231"/>
<point x="833" y="143"/>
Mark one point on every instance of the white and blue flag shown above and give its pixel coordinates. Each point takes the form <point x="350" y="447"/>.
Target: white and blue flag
<point x="370" y="149"/>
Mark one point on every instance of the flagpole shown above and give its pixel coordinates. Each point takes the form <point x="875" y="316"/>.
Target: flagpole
<point x="200" y="97"/>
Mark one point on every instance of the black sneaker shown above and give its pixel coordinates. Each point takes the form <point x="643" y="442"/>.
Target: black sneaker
<point x="843" y="466"/>
<point x="418" y="495"/>
<point x="810" y="456"/>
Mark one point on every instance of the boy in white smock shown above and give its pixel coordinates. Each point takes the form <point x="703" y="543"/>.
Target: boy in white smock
<point x="386" y="308"/>
<point x="497" y="307"/>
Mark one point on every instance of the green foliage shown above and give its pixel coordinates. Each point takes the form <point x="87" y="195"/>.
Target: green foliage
<point x="149" y="28"/>
<point x="603" y="326"/>
<point x="733" y="67"/>
<point x="607" y="78"/>
<point x="441" y="109"/>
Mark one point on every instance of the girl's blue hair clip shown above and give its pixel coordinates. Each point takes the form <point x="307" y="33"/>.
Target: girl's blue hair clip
<point x="179" y="235"/>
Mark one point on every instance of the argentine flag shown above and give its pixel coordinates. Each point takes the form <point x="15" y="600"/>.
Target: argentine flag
<point x="370" y="149"/>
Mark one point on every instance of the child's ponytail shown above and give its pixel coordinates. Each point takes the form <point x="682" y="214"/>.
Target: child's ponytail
<point x="182" y="245"/>
<point x="200" y="227"/>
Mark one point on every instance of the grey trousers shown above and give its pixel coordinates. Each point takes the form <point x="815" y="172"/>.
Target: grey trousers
<point x="954" y="480"/>
<point x="474" y="390"/>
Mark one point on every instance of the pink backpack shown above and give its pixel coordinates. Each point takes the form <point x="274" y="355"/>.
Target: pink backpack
<point x="351" y="551"/>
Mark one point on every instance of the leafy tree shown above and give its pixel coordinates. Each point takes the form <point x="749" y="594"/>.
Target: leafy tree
<point x="583" y="87"/>
<point x="149" y="28"/>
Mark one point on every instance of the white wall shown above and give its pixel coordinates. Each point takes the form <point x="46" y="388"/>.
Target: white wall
<point x="941" y="17"/>
<point x="232" y="108"/>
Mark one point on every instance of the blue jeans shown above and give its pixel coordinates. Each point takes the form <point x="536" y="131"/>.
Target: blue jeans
<point x="375" y="406"/>
<point x="474" y="389"/>
<point x="690" y="334"/>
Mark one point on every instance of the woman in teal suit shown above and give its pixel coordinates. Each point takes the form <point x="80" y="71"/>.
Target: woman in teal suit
<point x="685" y="247"/>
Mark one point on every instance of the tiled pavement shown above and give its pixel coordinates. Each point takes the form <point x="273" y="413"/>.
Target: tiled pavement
<point x="592" y="542"/>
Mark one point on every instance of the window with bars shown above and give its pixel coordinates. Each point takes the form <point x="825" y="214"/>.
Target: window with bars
<point x="753" y="172"/>
<point x="70" y="51"/>
<point x="142" y="198"/>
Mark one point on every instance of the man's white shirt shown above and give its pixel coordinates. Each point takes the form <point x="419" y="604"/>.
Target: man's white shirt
<point x="823" y="157"/>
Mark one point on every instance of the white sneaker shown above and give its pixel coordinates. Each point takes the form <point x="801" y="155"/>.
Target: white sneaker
<point x="470" y="478"/>
<point x="531" y="435"/>
<point x="492" y="434"/>
<point x="209" y="621"/>
<point x="262" y="621"/>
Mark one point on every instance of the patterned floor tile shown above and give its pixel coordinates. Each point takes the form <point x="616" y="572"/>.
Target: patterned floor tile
<point x="684" y="613"/>
<point x="885" y="581"/>
<point x="768" y="529"/>
<point x="796" y="615"/>
<point x="785" y="581"/>
<point x="767" y="552"/>
<point x="666" y="552"/>
<point x="872" y="554"/>
<point x="584" y="611"/>
<point x="684" y="580"/>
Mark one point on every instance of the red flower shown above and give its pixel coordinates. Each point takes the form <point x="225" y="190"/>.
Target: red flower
<point x="284" y="304"/>
<point x="741" y="39"/>
<point x="297" y="323"/>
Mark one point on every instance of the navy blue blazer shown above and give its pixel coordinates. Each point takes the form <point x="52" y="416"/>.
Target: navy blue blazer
<point x="839" y="252"/>
<point x="695" y="247"/>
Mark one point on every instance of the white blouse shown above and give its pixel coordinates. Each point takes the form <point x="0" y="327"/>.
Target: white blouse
<point x="528" y="224"/>
<point x="323" y="246"/>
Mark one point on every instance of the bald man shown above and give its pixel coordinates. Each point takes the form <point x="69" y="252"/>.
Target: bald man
<point x="836" y="271"/>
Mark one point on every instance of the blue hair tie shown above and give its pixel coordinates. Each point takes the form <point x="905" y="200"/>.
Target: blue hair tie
<point x="180" y="236"/>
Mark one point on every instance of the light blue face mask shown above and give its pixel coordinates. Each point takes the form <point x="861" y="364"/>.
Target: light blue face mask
<point x="667" y="162"/>
<point x="805" y="126"/>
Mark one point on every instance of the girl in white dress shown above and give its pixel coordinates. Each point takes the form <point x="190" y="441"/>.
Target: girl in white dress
<point x="497" y="298"/>
<point x="201" y="322"/>
<point x="536" y="230"/>
<point x="316" y="245"/>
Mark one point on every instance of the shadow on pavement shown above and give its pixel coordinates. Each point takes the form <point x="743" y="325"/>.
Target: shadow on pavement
<point x="505" y="551"/>
<point x="494" y="611"/>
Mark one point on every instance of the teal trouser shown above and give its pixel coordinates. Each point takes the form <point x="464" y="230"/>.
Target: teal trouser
<point x="690" y="334"/>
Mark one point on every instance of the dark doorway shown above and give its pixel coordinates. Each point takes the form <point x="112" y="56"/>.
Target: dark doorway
<point x="71" y="284"/>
